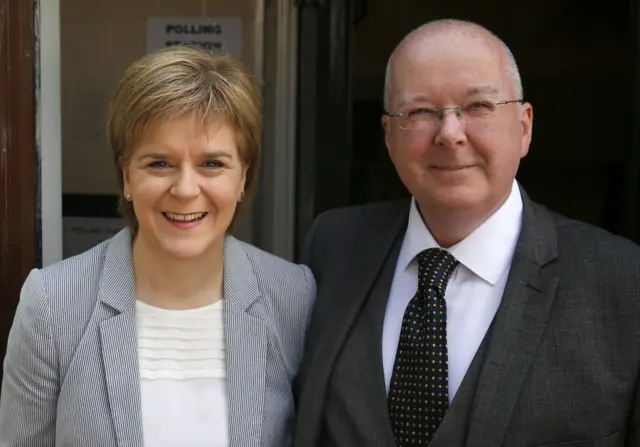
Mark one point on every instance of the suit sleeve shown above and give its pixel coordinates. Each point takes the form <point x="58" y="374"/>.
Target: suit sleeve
<point x="306" y="260"/>
<point x="633" y="428"/>
<point x="30" y="379"/>
<point x="306" y="257"/>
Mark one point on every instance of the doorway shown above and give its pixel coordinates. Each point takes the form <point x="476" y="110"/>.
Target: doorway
<point x="577" y="61"/>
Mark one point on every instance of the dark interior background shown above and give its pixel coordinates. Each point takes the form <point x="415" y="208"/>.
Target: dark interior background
<point x="575" y="59"/>
<point x="578" y="65"/>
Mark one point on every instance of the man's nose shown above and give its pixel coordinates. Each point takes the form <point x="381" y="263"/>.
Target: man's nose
<point x="452" y="130"/>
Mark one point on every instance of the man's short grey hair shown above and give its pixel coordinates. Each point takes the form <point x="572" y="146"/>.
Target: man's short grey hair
<point x="512" y="66"/>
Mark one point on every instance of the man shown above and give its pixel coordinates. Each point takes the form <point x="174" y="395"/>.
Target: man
<point x="468" y="316"/>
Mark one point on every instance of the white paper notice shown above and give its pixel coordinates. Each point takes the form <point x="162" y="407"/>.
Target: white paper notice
<point x="82" y="233"/>
<point x="221" y="34"/>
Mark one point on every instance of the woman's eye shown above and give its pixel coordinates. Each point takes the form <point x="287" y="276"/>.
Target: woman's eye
<point x="212" y="164"/>
<point x="158" y="164"/>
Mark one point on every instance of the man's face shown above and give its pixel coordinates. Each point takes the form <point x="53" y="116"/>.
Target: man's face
<point x="456" y="163"/>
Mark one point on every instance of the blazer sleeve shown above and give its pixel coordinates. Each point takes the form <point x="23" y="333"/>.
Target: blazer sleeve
<point x="30" y="379"/>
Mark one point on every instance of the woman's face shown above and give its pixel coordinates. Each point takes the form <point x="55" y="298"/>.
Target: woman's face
<point x="185" y="179"/>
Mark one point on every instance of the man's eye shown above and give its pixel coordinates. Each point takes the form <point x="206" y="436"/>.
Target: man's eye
<point x="421" y="112"/>
<point x="481" y="105"/>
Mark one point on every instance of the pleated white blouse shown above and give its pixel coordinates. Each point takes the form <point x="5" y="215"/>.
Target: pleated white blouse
<point x="182" y="376"/>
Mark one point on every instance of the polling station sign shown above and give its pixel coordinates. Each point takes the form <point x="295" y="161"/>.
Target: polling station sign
<point x="223" y="34"/>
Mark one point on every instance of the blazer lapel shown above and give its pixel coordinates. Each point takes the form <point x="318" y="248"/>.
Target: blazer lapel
<point x="517" y="328"/>
<point x="343" y="299"/>
<point x="246" y="339"/>
<point x="246" y="345"/>
<point x="118" y="341"/>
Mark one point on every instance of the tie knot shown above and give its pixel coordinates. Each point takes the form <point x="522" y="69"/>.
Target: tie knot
<point x="435" y="267"/>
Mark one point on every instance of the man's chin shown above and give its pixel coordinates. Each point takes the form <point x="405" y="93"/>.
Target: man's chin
<point x="456" y="198"/>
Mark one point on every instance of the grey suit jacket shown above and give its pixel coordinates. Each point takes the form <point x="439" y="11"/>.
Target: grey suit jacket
<point x="71" y="369"/>
<point x="559" y="367"/>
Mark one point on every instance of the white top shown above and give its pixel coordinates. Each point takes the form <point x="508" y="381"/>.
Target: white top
<point x="182" y="376"/>
<point x="474" y="291"/>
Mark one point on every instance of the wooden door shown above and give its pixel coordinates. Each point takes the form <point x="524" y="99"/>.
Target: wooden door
<point x="18" y="156"/>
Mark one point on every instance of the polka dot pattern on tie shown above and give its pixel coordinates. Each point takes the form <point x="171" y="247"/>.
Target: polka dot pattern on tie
<point x="419" y="391"/>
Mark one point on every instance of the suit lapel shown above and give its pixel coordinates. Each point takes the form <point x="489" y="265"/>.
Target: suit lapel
<point x="342" y="301"/>
<point x="454" y="427"/>
<point x="373" y="315"/>
<point x="118" y="341"/>
<point x="517" y="328"/>
<point x="361" y="358"/>
<point x="246" y="339"/>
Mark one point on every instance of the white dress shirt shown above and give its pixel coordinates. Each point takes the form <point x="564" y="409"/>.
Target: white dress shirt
<point x="474" y="291"/>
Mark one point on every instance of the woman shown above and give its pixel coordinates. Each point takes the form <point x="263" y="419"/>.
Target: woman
<point x="172" y="333"/>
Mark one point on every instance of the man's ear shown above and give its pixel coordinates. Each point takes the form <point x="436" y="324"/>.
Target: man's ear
<point x="386" y="126"/>
<point x="526" y="121"/>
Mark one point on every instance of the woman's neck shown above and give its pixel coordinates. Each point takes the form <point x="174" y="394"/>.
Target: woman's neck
<point x="178" y="284"/>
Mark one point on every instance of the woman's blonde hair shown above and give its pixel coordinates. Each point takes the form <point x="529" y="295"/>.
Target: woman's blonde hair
<point x="177" y="81"/>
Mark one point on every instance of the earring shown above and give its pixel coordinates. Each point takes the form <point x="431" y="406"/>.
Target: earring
<point x="127" y="195"/>
<point x="241" y="196"/>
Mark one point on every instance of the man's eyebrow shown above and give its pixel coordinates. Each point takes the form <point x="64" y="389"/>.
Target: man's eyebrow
<point x="482" y="90"/>
<point x="472" y="91"/>
<point x="412" y="99"/>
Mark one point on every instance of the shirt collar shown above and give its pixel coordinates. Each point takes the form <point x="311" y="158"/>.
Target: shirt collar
<point x="487" y="252"/>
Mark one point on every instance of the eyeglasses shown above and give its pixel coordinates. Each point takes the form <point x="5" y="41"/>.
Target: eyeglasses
<point x="416" y="117"/>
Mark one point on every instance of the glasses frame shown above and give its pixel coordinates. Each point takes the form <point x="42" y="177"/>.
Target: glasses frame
<point x="440" y="111"/>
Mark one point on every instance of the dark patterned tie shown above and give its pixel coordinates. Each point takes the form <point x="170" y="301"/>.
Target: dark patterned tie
<point x="419" y="389"/>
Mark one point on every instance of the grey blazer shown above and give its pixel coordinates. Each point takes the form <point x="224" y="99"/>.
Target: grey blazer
<point x="71" y="369"/>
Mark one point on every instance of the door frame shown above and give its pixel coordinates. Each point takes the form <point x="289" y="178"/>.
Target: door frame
<point x="19" y="164"/>
<point x="323" y="163"/>
<point x="49" y="129"/>
<point x="276" y="69"/>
